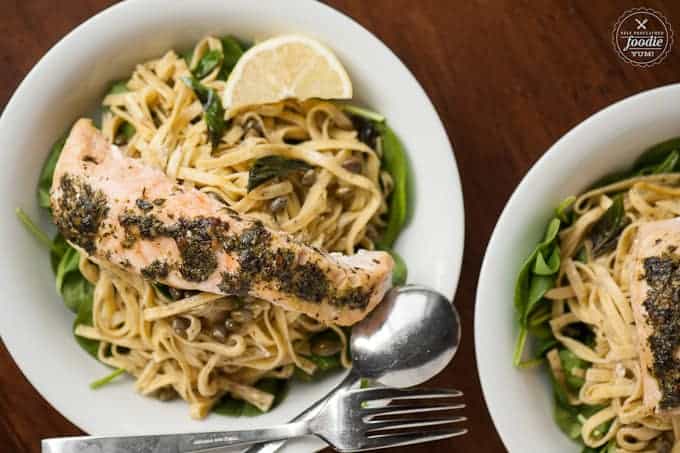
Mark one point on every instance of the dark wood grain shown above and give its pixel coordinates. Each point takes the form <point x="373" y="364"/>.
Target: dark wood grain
<point x="508" y="78"/>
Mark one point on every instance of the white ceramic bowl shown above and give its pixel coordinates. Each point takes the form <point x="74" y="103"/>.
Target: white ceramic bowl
<point x="70" y="81"/>
<point x="520" y="402"/>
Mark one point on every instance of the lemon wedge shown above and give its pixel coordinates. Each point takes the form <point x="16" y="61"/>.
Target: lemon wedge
<point x="284" y="67"/>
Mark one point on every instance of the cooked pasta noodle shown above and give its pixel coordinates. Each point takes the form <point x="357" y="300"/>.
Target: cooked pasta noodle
<point x="597" y="292"/>
<point x="337" y="204"/>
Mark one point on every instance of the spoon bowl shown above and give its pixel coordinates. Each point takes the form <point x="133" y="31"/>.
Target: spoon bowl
<point x="408" y="339"/>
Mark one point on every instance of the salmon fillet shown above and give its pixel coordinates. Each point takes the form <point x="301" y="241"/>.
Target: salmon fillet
<point x="118" y="210"/>
<point x="655" y="297"/>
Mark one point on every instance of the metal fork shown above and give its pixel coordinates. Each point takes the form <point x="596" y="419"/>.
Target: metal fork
<point x="351" y="420"/>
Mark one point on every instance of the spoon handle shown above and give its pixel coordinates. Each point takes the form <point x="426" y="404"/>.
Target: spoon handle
<point x="350" y="380"/>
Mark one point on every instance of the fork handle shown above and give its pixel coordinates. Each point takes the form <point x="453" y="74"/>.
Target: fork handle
<point x="272" y="447"/>
<point x="174" y="443"/>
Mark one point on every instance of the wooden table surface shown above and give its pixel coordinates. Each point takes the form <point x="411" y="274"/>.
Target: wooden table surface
<point x="508" y="78"/>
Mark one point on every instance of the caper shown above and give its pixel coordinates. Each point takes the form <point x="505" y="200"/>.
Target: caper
<point x="352" y="165"/>
<point x="219" y="332"/>
<point x="326" y="347"/>
<point x="231" y="325"/>
<point x="241" y="316"/>
<point x="180" y="325"/>
<point x="308" y="178"/>
<point x="278" y="204"/>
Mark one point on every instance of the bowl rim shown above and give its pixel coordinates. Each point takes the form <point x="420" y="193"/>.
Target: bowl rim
<point x="105" y="16"/>
<point x="491" y="400"/>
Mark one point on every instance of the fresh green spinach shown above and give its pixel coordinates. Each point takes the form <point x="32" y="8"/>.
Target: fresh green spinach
<point x="232" y="50"/>
<point x="400" y="272"/>
<point x="99" y="383"/>
<point x="270" y="167"/>
<point x="604" y="235"/>
<point x="213" y="112"/>
<point x="45" y="181"/>
<point x="211" y="60"/>
<point x="394" y="161"/>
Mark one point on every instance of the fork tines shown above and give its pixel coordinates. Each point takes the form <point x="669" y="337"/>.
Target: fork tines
<point x="388" y="421"/>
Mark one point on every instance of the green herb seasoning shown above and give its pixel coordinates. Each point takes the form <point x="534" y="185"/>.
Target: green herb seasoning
<point x="156" y="270"/>
<point x="662" y="274"/>
<point x="280" y="267"/>
<point x="81" y="212"/>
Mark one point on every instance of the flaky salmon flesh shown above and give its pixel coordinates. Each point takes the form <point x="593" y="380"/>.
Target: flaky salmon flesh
<point x="655" y="297"/>
<point x="120" y="211"/>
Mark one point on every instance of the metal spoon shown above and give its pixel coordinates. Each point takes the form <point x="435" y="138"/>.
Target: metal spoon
<point x="408" y="339"/>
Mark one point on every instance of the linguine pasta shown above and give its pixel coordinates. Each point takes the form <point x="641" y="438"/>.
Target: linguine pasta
<point x="595" y="290"/>
<point x="175" y="345"/>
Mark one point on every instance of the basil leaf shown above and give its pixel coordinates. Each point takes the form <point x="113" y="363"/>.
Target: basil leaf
<point x="394" y="161"/>
<point x="400" y="272"/>
<point x="209" y="61"/>
<point x="45" y="181"/>
<point x="270" y="167"/>
<point x="232" y="50"/>
<point x="605" y="233"/>
<point x="213" y="112"/>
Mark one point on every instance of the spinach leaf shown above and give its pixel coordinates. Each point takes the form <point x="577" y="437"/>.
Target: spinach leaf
<point x="57" y="251"/>
<point x="67" y="264"/>
<point x="657" y="153"/>
<point x="117" y="87"/>
<point x="232" y="50"/>
<point x="325" y="364"/>
<point x="99" y="383"/>
<point x="233" y="407"/>
<point x="83" y="291"/>
<point x="549" y="266"/>
<point x="605" y="233"/>
<point x="270" y="167"/>
<point x="395" y="162"/>
<point x="525" y="275"/>
<point x="125" y="132"/>
<point x="561" y="212"/>
<point x="566" y="418"/>
<point x="209" y="61"/>
<point x="164" y="290"/>
<point x="531" y="285"/>
<point x="45" y="181"/>
<point x="32" y="228"/>
<point x="571" y="363"/>
<point x="364" y="113"/>
<point x="400" y="272"/>
<point x="661" y="158"/>
<point x="213" y="112"/>
<point x="667" y="166"/>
